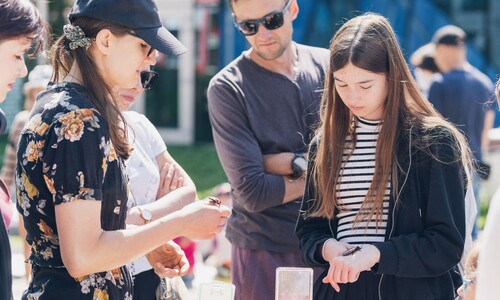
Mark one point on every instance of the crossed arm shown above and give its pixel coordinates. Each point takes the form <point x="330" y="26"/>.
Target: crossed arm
<point x="280" y="164"/>
<point x="175" y="191"/>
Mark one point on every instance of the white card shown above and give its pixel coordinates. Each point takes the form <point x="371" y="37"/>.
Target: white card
<point x="294" y="283"/>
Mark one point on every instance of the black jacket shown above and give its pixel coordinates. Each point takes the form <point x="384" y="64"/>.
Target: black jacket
<point x="426" y="229"/>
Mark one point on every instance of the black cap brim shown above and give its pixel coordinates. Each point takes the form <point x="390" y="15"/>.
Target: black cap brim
<point x="162" y="40"/>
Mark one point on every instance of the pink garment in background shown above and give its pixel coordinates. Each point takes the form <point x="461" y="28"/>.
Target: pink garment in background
<point x="189" y="247"/>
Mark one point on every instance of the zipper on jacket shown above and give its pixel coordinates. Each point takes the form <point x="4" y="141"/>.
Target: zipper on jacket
<point x="394" y="208"/>
<point x="390" y="234"/>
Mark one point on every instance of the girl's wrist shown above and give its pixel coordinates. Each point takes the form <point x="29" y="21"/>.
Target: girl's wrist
<point x="374" y="253"/>
<point x="323" y="249"/>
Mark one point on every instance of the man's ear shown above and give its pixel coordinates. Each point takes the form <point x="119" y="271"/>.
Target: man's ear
<point x="294" y="9"/>
<point x="102" y="40"/>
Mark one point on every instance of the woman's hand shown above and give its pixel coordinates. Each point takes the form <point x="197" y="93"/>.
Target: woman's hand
<point x="344" y="269"/>
<point x="168" y="260"/>
<point x="203" y="219"/>
<point x="170" y="179"/>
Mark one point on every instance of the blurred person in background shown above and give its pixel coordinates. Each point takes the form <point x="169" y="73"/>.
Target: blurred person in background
<point x="462" y="94"/>
<point x="222" y="247"/>
<point x="424" y="66"/>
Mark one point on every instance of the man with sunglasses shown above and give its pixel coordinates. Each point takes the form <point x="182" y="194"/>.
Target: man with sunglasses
<point x="263" y="108"/>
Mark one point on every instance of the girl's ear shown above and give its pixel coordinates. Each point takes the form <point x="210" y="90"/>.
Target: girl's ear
<point x="102" y="40"/>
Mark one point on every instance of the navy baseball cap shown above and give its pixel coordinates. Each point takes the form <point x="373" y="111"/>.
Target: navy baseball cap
<point x="139" y="15"/>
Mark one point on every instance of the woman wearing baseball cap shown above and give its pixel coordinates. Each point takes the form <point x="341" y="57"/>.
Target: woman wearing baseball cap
<point x="71" y="183"/>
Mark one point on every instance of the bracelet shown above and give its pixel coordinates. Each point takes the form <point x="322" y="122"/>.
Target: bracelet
<point x="324" y="246"/>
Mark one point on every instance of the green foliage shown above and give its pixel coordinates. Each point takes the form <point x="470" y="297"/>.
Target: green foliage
<point x="483" y="212"/>
<point x="202" y="164"/>
<point x="3" y="142"/>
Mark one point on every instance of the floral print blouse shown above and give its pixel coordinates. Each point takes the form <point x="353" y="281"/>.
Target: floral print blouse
<point x="65" y="154"/>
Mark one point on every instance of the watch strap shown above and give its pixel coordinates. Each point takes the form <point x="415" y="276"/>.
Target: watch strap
<point x="144" y="218"/>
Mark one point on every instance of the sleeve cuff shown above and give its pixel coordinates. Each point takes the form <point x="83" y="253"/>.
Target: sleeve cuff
<point x="315" y="255"/>
<point x="388" y="263"/>
<point x="81" y="194"/>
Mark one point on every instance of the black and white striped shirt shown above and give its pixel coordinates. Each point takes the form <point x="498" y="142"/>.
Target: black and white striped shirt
<point x="357" y="175"/>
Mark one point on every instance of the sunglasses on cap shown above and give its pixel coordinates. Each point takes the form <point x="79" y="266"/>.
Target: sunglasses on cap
<point x="148" y="78"/>
<point x="271" y="21"/>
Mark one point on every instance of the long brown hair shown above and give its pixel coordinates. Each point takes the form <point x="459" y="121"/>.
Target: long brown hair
<point x="101" y="94"/>
<point x="369" y="43"/>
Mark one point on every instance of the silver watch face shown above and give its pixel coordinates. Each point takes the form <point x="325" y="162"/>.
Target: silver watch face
<point x="301" y="162"/>
<point x="146" y="215"/>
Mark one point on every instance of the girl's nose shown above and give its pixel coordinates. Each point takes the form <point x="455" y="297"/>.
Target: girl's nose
<point x="23" y="71"/>
<point x="352" y="97"/>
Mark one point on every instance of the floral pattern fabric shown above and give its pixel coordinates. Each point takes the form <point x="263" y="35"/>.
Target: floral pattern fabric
<point x="65" y="154"/>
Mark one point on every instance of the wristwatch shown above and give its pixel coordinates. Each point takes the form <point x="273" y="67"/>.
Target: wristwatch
<point x="145" y="214"/>
<point x="299" y="165"/>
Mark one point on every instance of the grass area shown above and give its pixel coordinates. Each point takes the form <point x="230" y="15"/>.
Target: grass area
<point x="3" y="142"/>
<point x="483" y="211"/>
<point x="201" y="163"/>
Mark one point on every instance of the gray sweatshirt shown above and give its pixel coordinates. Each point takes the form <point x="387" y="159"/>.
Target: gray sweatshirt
<point x="253" y="112"/>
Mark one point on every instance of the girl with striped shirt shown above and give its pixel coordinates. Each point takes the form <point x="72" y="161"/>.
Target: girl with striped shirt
<point x="383" y="211"/>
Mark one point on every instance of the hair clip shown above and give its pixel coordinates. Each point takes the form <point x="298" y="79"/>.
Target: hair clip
<point x="77" y="37"/>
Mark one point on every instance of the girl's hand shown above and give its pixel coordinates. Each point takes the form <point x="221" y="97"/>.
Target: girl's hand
<point x="170" y="179"/>
<point x="344" y="269"/>
<point x="333" y="248"/>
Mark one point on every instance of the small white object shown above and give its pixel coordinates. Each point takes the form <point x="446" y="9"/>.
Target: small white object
<point x="294" y="283"/>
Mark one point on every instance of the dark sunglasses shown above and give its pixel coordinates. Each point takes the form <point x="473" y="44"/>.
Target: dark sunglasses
<point x="271" y="21"/>
<point x="148" y="78"/>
